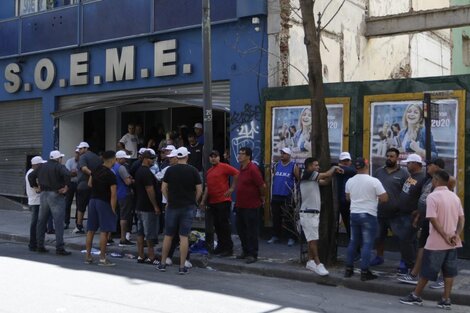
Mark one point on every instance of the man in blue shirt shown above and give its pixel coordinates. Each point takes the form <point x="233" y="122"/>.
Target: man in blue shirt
<point x="284" y="174"/>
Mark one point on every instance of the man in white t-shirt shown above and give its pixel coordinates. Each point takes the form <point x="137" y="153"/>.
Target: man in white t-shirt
<point x="129" y="141"/>
<point x="364" y="192"/>
<point x="33" y="203"/>
<point x="310" y="209"/>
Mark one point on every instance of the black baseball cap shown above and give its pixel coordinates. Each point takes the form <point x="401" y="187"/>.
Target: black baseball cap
<point x="360" y="163"/>
<point x="214" y="152"/>
<point x="439" y="162"/>
<point x="148" y="155"/>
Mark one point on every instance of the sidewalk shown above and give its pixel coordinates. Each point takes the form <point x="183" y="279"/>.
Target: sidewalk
<point x="277" y="260"/>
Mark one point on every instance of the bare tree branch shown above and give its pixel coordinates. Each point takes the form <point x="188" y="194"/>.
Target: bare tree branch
<point x="336" y="13"/>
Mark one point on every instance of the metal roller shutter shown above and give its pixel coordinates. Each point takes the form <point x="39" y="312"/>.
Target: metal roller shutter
<point x="20" y="138"/>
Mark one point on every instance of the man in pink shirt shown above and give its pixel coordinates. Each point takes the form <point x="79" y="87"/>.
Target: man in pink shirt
<point x="445" y="213"/>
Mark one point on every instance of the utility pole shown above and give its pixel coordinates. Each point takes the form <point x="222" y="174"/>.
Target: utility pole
<point x="207" y="83"/>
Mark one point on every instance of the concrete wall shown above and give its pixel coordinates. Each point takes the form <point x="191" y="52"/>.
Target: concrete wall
<point x="347" y="55"/>
<point x="458" y="66"/>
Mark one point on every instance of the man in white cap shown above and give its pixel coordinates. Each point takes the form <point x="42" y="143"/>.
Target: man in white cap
<point x="52" y="178"/>
<point x="124" y="195"/>
<point x="33" y="203"/>
<point x="341" y="178"/>
<point x="182" y="187"/>
<point x="408" y="209"/>
<point x="129" y="141"/>
<point x="284" y="174"/>
<point x="71" y="164"/>
<point x="87" y="163"/>
<point x="198" y="130"/>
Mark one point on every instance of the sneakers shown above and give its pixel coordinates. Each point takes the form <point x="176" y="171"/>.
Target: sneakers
<point x="411" y="299"/>
<point x="168" y="262"/>
<point x="62" y="252"/>
<point x="188" y="264"/>
<point x="367" y="275"/>
<point x="273" y="239"/>
<point x="89" y="261"/>
<point x="78" y="230"/>
<point x="409" y="279"/>
<point x="183" y="271"/>
<point x="378" y="260"/>
<point x="444" y="304"/>
<point x="321" y="270"/>
<point x="110" y="242"/>
<point x="106" y="262"/>
<point x="438" y="284"/>
<point x="311" y="266"/>
<point x="161" y="267"/>
<point x="42" y="250"/>
<point x="348" y="272"/>
<point x="250" y="259"/>
<point x="126" y="243"/>
<point x="402" y="269"/>
<point x="290" y="242"/>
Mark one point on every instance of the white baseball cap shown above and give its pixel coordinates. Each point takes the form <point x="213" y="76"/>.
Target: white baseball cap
<point x="37" y="160"/>
<point x="121" y="154"/>
<point x="83" y="144"/>
<point x="414" y="158"/>
<point x="344" y="156"/>
<point x="182" y="152"/>
<point x="198" y="125"/>
<point x="55" y="155"/>
<point x="141" y="150"/>
<point x="169" y="148"/>
<point x="286" y="151"/>
<point x="172" y="154"/>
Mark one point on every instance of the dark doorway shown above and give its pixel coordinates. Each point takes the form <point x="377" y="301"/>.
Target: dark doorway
<point x="95" y="130"/>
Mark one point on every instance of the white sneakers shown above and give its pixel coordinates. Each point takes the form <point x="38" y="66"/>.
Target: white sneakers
<point x="169" y="262"/>
<point x="319" y="269"/>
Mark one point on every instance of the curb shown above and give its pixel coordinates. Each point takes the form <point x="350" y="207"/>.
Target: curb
<point x="294" y="272"/>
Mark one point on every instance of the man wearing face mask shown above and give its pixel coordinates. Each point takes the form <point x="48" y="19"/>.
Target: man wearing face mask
<point x="392" y="177"/>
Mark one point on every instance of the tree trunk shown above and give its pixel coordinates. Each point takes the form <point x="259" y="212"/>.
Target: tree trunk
<point x="319" y="135"/>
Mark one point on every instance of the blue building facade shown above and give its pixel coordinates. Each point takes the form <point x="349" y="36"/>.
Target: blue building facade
<point x="81" y="70"/>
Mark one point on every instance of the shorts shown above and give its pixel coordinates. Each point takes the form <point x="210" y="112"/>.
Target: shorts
<point x="423" y="237"/>
<point x="309" y="223"/>
<point x="83" y="198"/>
<point x="147" y="225"/>
<point x="436" y="260"/>
<point x="125" y="208"/>
<point x="101" y="215"/>
<point x="178" y="218"/>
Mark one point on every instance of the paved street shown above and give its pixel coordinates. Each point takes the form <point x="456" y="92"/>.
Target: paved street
<point x="34" y="282"/>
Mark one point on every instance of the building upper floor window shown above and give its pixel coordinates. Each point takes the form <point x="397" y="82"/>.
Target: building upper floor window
<point x="33" y="6"/>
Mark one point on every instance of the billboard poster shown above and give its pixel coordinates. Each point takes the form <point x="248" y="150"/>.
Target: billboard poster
<point x="398" y="121"/>
<point x="291" y="127"/>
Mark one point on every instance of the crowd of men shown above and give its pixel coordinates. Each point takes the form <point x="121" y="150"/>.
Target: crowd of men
<point x="417" y="205"/>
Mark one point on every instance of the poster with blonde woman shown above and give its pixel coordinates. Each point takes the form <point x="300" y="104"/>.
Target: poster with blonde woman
<point x="291" y="128"/>
<point x="400" y="124"/>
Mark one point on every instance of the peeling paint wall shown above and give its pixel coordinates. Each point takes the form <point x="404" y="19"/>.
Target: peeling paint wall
<point x="347" y="55"/>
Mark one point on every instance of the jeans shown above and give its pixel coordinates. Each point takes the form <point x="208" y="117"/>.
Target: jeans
<point x="363" y="229"/>
<point x="51" y="203"/>
<point x="247" y="228"/>
<point x="220" y="214"/>
<point x="282" y="212"/>
<point x="33" y="226"/>
<point x="402" y="228"/>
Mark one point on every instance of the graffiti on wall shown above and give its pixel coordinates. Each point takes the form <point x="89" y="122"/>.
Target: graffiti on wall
<point x="245" y="128"/>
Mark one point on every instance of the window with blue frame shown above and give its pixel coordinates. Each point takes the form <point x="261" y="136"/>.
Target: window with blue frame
<point x="34" y="6"/>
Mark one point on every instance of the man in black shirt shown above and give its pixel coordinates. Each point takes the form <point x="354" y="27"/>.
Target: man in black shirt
<point x="147" y="208"/>
<point x="102" y="207"/>
<point x="52" y="179"/>
<point x="182" y="187"/>
<point x="195" y="152"/>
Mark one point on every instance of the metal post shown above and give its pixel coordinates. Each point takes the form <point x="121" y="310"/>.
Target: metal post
<point x="427" y="125"/>
<point x="207" y="83"/>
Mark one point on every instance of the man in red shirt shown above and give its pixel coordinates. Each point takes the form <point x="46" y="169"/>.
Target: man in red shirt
<point x="251" y="191"/>
<point x="217" y="202"/>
